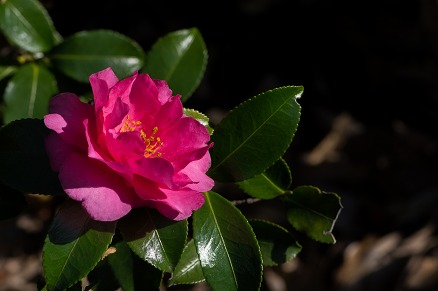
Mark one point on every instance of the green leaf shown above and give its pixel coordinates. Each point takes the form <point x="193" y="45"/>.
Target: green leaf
<point x="155" y="238"/>
<point x="313" y="212"/>
<point x="12" y="202"/>
<point x="27" y="24"/>
<point x="24" y="164"/>
<point x="255" y="134"/>
<point x="227" y="247"/>
<point x="28" y="93"/>
<point x="202" y="118"/>
<point x="74" y="245"/>
<point x="6" y="71"/>
<point x="132" y="272"/>
<point x="88" y="52"/>
<point x="188" y="270"/>
<point x="277" y="245"/>
<point x="180" y="58"/>
<point x="271" y="183"/>
<point x="122" y="268"/>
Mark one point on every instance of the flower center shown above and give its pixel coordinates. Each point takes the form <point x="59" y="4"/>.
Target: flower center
<point x="152" y="142"/>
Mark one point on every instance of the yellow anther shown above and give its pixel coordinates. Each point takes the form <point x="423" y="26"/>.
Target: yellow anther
<point x="129" y="125"/>
<point x="152" y="143"/>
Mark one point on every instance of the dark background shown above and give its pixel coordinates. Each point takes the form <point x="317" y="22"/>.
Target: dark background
<point x="368" y="129"/>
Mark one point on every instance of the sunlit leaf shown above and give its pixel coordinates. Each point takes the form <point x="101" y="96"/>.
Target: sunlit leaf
<point x="180" y="58"/>
<point x="88" y="52"/>
<point x="254" y="135"/>
<point x="74" y="245"/>
<point x="155" y="238"/>
<point x="271" y="183"/>
<point x="277" y="245"/>
<point x="27" y="24"/>
<point x="314" y="212"/>
<point x="227" y="247"/>
<point x="24" y="162"/>
<point x="28" y="92"/>
<point x="188" y="270"/>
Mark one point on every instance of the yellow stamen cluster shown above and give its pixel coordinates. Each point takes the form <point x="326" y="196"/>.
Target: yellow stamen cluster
<point x="152" y="143"/>
<point x="129" y="125"/>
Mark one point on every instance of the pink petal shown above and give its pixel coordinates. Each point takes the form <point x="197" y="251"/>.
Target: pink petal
<point x="179" y="204"/>
<point x="95" y="152"/>
<point x="164" y="92"/>
<point x="104" y="195"/>
<point x="169" y="114"/>
<point x="157" y="170"/>
<point x="143" y="98"/>
<point x="184" y="140"/>
<point x="146" y="189"/>
<point x="196" y="172"/>
<point x="101" y="82"/>
<point x="66" y="117"/>
<point x="57" y="150"/>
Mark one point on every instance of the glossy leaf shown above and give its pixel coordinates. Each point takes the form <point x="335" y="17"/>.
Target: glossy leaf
<point x="132" y="272"/>
<point x="24" y="162"/>
<point x="27" y="24"/>
<point x="313" y="212"/>
<point x="28" y="92"/>
<point x="155" y="238"/>
<point x="188" y="270"/>
<point x="122" y="268"/>
<point x="271" y="183"/>
<point x="180" y="58"/>
<point x="227" y="247"/>
<point x="202" y="118"/>
<point x="88" y="52"/>
<point x="242" y="140"/>
<point x="74" y="245"/>
<point x="6" y="71"/>
<point x="277" y="245"/>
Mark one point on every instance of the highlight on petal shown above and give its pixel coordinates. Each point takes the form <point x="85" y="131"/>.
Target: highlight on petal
<point x="66" y="117"/>
<point x="104" y="195"/>
<point x="101" y="82"/>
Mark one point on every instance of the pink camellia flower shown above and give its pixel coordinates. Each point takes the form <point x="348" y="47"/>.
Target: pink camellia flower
<point x="134" y="147"/>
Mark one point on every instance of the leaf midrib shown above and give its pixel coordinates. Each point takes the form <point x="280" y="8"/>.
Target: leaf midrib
<point x="251" y="135"/>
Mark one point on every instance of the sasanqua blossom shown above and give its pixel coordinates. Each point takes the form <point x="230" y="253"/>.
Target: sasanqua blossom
<point x="133" y="147"/>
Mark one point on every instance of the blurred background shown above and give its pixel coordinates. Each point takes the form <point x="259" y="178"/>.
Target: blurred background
<point x="368" y="129"/>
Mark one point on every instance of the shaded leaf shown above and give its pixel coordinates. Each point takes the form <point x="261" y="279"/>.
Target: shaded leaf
<point x="202" y="118"/>
<point x="24" y="164"/>
<point x="6" y="71"/>
<point x="227" y="247"/>
<point x="271" y="183"/>
<point x="88" y="52"/>
<point x="180" y="58"/>
<point x="188" y="270"/>
<point x="122" y="268"/>
<point x="74" y="245"/>
<point x="27" y="24"/>
<point x="313" y="212"/>
<point x="154" y="238"/>
<point x="28" y="93"/>
<point x="261" y="125"/>
<point x="277" y="245"/>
